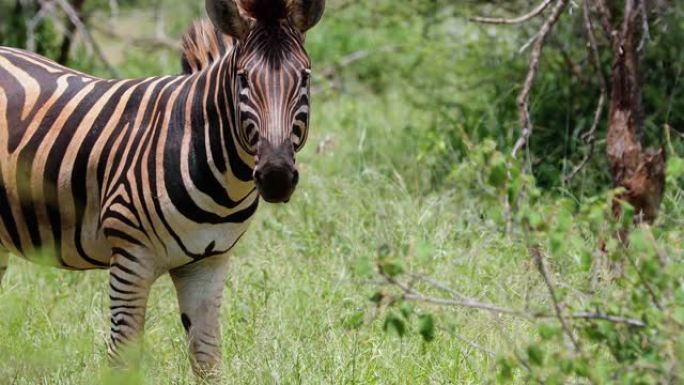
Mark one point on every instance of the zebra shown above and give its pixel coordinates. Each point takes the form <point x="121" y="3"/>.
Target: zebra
<point x="160" y="174"/>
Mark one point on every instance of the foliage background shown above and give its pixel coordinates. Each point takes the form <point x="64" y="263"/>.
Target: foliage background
<point x="414" y="115"/>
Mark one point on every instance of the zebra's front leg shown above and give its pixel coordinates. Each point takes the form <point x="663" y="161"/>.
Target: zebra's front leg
<point x="199" y="287"/>
<point x="130" y="280"/>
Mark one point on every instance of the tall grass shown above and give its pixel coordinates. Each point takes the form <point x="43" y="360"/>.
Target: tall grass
<point x="380" y="172"/>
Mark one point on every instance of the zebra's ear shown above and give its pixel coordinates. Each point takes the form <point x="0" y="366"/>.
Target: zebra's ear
<point x="226" y="16"/>
<point x="306" y="13"/>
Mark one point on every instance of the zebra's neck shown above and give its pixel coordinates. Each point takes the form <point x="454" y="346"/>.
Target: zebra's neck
<point x="216" y="158"/>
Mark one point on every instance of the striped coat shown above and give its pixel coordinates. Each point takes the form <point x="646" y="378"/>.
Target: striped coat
<point x="161" y="174"/>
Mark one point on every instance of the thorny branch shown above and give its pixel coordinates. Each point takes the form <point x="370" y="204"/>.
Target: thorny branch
<point x="521" y="19"/>
<point x="523" y="98"/>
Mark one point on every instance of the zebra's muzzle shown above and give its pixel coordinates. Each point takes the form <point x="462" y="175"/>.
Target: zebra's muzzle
<point x="275" y="173"/>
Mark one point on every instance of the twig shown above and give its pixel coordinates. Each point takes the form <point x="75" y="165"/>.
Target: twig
<point x="644" y="281"/>
<point x="465" y="303"/>
<point x="468" y="341"/>
<point x="33" y="22"/>
<point x="87" y="37"/>
<point x="145" y="42"/>
<point x="606" y="21"/>
<point x="68" y="38"/>
<point x="590" y="136"/>
<point x="645" y="33"/>
<point x="610" y="318"/>
<point x="411" y="294"/>
<point x="517" y="20"/>
<point x="354" y="57"/>
<point x="539" y="260"/>
<point x="523" y="98"/>
<point x="439" y="285"/>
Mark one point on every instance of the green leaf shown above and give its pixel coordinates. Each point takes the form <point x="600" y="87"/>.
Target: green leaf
<point x="426" y="327"/>
<point x="377" y="296"/>
<point x="384" y="250"/>
<point x="394" y="322"/>
<point x="547" y="332"/>
<point x="392" y="267"/>
<point x="586" y="260"/>
<point x="505" y="371"/>
<point x="556" y="242"/>
<point x="627" y="214"/>
<point x="535" y="354"/>
<point x="406" y="309"/>
<point x="497" y="172"/>
<point x="354" y="321"/>
<point x="535" y="219"/>
<point x="675" y="167"/>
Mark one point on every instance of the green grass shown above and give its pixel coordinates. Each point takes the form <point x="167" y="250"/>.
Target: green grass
<point x="296" y="279"/>
<point x="302" y="277"/>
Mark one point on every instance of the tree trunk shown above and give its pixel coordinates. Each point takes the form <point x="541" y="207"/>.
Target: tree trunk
<point x="641" y="172"/>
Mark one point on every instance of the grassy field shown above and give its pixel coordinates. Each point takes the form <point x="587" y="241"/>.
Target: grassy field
<point x="296" y="278"/>
<point x="297" y="308"/>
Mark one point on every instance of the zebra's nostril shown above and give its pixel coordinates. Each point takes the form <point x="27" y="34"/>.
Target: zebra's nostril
<point x="295" y="177"/>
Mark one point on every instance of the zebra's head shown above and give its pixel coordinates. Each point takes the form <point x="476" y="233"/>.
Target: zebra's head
<point x="271" y="82"/>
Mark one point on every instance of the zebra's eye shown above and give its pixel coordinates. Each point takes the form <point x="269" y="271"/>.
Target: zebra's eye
<point x="242" y="81"/>
<point x="306" y="76"/>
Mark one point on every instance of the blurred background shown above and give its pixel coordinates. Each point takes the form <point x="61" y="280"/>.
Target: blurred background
<point x="407" y="174"/>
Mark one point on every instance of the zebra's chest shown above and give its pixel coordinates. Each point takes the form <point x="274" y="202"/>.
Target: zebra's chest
<point x="193" y="235"/>
<point x="205" y="241"/>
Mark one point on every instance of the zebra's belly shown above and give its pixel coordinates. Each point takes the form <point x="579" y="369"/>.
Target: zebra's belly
<point x="76" y="245"/>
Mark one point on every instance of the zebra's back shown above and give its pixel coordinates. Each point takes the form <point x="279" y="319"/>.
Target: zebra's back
<point x="59" y="147"/>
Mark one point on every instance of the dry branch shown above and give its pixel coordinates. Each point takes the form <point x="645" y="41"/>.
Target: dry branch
<point x="90" y="43"/>
<point x="590" y="136"/>
<point x="523" y="98"/>
<point x="409" y="293"/>
<point x="539" y="261"/>
<point x="159" y="42"/>
<point x="517" y="20"/>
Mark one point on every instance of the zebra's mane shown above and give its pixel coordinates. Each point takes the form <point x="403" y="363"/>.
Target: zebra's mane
<point x="202" y="44"/>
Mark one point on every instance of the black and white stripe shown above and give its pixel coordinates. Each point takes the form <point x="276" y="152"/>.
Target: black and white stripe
<point x="151" y="175"/>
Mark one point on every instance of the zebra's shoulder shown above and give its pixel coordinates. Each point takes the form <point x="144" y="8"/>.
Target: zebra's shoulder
<point x="202" y="44"/>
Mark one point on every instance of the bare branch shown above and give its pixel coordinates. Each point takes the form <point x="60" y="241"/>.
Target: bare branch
<point x="517" y="20"/>
<point x="33" y="22"/>
<point x="354" y="57"/>
<point x="414" y="296"/>
<point x="606" y="20"/>
<point x="159" y="42"/>
<point x="646" y="32"/>
<point x="523" y="98"/>
<point x="539" y="260"/>
<point x="468" y="341"/>
<point x="411" y="294"/>
<point x="610" y="318"/>
<point x="87" y="36"/>
<point x="590" y="136"/>
<point x="439" y="285"/>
